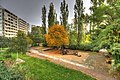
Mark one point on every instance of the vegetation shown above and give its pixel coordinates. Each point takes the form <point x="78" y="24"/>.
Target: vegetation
<point x="4" y="42"/>
<point x="44" y="19"/>
<point x="36" y="35"/>
<point x="20" y="43"/>
<point x="51" y="15"/>
<point x="64" y="14"/>
<point x="78" y="7"/>
<point x="106" y="32"/>
<point x="57" y="36"/>
<point x="36" y="69"/>
<point x="9" y="74"/>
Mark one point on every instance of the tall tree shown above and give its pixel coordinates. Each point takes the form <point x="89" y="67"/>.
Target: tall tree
<point x="64" y="14"/>
<point x="78" y="7"/>
<point x="44" y="19"/>
<point x="51" y="15"/>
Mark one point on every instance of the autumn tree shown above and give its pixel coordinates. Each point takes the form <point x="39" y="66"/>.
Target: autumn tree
<point x="44" y="19"/>
<point x="51" y="15"/>
<point x="57" y="36"/>
<point x="78" y="7"/>
<point x="64" y="14"/>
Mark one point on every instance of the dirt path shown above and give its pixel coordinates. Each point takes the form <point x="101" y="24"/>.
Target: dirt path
<point x="67" y="61"/>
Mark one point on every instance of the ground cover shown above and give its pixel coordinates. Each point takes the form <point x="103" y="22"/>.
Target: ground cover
<point x="45" y="70"/>
<point x="37" y="69"/>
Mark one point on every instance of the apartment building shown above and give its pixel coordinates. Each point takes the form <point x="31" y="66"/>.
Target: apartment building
<point x="1" y="22"/>
<point x="10" y="24"/>
<point x="23" y="25"/>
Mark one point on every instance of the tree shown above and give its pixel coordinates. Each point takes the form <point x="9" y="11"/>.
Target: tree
<point x="36" y="35"/>
<point x="107" y="31"/>
<point x="51" y="15"/>
<point x="57" y="36"/>
<point x="44" y="19"/>
<point x="72" y="35"/>
<point x="78" y="7"/>
<point x="20" y="43"/>
<point x="64" y="14"/>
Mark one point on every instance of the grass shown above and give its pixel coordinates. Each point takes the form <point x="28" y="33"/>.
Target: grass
<point x="3" y="48"/>
<point x="45" y="70"/>
<point x="37" y="69"/>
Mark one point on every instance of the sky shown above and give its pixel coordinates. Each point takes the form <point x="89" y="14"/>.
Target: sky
<point x="31" y="10"/>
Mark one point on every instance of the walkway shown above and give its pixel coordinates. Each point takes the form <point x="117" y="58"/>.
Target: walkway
<point x="70" y="64"/>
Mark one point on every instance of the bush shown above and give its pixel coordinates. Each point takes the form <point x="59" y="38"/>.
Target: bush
<point x="9" y="74"/>
<point x="20" y="43"/>
<point x="85" y="47"/>
<point x="88" y="47"/>
<point x="4" y="42"/>
<point x="73" y="47"/>
<point x="115" y="50"/>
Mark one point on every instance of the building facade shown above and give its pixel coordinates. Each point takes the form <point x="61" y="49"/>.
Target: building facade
<point x="23" y="25"/>
<point x="10" y="24"/>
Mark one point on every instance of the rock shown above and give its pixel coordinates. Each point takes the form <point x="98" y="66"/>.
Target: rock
<point x="107" y="55"/>
<point x="78" y="55"/>
<point x="103" y="51"/>
<point x="108" y="61"/>
<point x="75" y="52"/>
<point x="18" y="61"/>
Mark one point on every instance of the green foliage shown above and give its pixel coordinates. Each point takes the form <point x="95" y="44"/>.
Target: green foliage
<point x="20" y="43"/>
<point x="78" y="7"/>
<point x="51" y="15"/>
<point x="115" y="49"/>
<point x="72" y="35"/>
<point x="85" y="47"/>
<point x="38" y="69"/>
<point x="36" y="35"/>
<point x="106" y="32"/>
<point x="9" y="74"/>
<point x="44" y="19"/>
<point x="4" y="42"/>
<point x="64" y="14"/>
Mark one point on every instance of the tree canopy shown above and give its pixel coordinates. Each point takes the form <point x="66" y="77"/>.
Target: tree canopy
<point x="57" y="36"/>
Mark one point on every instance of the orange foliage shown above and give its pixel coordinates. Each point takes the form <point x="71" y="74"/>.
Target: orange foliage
<point x="56" y="36"/>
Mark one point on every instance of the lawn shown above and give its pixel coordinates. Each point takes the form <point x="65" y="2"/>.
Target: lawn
<point x="37" y="69"/>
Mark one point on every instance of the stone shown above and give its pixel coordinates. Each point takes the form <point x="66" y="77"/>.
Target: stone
<point x="108" y="61"/>
<point x="18" y="61"/>
<point x="103" y="51"/>
<point x="78" y="55"/>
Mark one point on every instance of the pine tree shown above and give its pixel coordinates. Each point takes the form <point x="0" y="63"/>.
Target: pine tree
<point x="78" y="7"/>
<point x="51" y="15"/>
<point x="44" y="19"/>
<point x="64" y="14"/>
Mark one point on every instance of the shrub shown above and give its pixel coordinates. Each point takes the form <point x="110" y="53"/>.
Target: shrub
<point x="73" y="47"/>
<point x="20" y="43"/>
<point x="9" y="74"/>
<point x="85" y="47"/>
<point x="88" y="47"/>
<point x="4" y="42"/>
<point x="115" y="50"/>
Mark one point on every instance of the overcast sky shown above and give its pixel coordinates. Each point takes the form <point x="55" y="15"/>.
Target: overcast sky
<point x="30" y="10"/>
